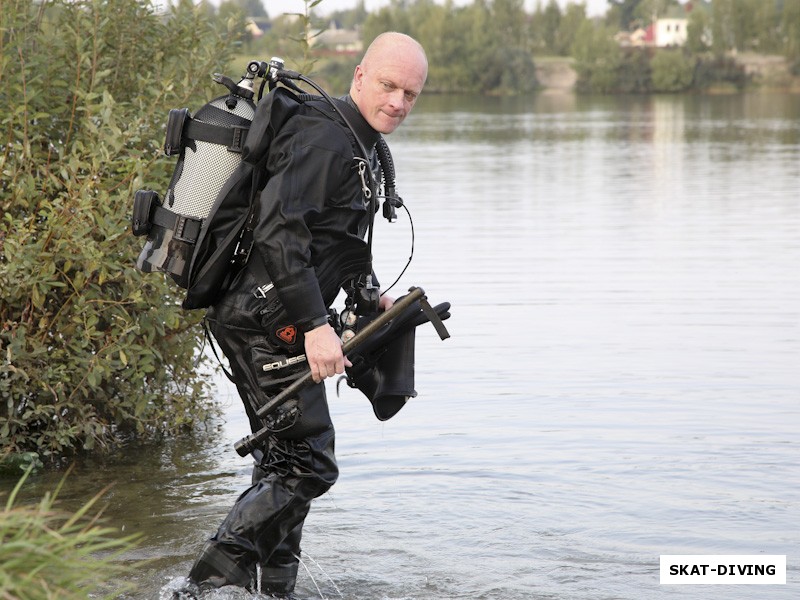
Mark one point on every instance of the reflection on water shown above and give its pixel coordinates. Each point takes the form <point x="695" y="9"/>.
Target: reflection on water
<point x="621" y="381"/>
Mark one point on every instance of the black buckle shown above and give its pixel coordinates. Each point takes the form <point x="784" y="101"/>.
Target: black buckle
<point x="180" y="229"/>
<point x="187" y="229"/>
<point x="239" y="136"/>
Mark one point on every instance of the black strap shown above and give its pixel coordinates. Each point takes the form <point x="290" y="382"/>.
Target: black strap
<point x="245" y="247"/>
<point x="185" y="229"/>
<point x="344" y="120"/>
<point x="434" y="318"/>
<point x="351" y="115"/>
<point x="210" y="339"/>
<point x="230" y="136"/>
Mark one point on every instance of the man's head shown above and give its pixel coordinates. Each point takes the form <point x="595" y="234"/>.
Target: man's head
<point x="389" y="79"/>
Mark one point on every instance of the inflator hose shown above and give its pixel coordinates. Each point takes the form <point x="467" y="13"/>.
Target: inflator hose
<point x="387" y="165"/>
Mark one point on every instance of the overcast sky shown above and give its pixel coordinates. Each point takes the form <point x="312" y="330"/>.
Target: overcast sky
<point x="276" y="7"/>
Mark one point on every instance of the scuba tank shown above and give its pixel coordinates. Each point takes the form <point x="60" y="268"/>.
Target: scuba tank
<point x="200" y="233"/>
<point x="208" y="146"/>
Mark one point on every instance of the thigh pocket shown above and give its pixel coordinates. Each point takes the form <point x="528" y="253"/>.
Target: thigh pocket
<point x="298" y="417"/>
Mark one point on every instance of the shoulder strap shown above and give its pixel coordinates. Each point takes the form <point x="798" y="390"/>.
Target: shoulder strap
<point x="281" y="102"/>
<point x="350" y="113"/>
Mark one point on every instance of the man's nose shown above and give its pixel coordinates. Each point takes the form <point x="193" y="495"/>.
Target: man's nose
<point x="397" y="99"/>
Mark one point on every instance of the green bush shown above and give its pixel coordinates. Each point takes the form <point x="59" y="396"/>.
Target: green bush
<point x="711" y="71"/>
<point x="91" y="349"/>
<point x="635" y="74"/>
<point x="672" y="71"/>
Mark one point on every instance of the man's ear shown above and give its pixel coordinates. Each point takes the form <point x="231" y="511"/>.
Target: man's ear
<point x="358" y="77"/>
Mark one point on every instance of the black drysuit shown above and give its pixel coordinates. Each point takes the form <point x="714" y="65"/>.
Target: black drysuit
<point x="308" y="244"/>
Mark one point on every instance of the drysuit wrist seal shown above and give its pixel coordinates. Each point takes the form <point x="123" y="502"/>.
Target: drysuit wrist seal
<point x="314" y="323"/>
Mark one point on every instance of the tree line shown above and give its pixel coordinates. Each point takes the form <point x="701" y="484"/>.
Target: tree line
<point x="492" y="46"/>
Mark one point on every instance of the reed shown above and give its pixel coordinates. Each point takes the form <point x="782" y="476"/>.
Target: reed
<point x="47" y="553"/>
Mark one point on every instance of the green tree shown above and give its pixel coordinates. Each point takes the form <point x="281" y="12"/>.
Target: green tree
<point x="738" y="24"/>
<point x="393" y="17"/>
<point x="506" y="66"/>
<point x="743" y="26"/>
<point x="508" y="22"/>
<point x="253" y="8"/>
<point x="90" y="348"/>
<point x="351" y="17"/>
<point x="647" y="10"/>
<point x="544" y="28"/>
<point x="304" y="61"/>
<point x="716" y="70"/>
<point x="238" y="9"/>
<point x="624" y="12"/>
<point x="597" y="59"/>
<point x="722" y="26"/>
<point x="698" y="32"/>
<point x="766" y="25"/>
<point x="628" y="15"/>
<point x="458" y="45"/>
<point x="442" y="42"/>
<point x="568" y="28"/>
<point x="280" y="39"/>
<point x="230" y="9"/>
<point x="468" y="49"/>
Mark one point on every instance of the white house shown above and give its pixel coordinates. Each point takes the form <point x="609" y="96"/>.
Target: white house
<point x="671" y="31"/>
<point x="667" y="31"/>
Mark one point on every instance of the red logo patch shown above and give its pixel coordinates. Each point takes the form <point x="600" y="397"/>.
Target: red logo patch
<point x="288" y="334"/>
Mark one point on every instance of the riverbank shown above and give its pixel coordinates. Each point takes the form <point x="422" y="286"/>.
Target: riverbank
<point x="555" y="73"/>
<point x="768" y="72"/>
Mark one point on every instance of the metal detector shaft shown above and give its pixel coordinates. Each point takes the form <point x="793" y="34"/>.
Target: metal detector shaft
<point x="247" y="444"/>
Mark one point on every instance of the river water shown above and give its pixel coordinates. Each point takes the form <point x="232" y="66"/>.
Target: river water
<point x="622" y="380"/>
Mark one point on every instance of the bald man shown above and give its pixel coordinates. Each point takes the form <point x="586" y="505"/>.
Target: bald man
<point x="273" y="322"/>
<point x="389" y="80"/>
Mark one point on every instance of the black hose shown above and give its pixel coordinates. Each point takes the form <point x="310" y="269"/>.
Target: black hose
<point x="387" y="166"/>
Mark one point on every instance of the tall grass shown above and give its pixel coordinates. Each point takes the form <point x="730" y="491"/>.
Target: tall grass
<point x="47" y="553"/>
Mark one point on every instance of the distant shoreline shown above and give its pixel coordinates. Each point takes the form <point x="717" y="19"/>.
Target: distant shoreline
<point x="769" y="73"/>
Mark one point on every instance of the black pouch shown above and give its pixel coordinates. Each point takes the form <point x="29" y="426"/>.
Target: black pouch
<point x="383" y="365"/>
<point x="386" y="377"/>
<point x="144" y="202"/>
<point x="175" y="123"/>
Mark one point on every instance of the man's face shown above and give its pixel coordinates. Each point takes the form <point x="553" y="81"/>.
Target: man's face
<point x="387" y="91"/>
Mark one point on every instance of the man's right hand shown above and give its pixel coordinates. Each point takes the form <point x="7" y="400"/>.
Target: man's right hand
<point x="324" y="353"/>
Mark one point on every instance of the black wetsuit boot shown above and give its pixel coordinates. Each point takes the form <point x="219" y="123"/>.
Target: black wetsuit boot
<point x="264" y="525"/>
<point x="279" y="574"/>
